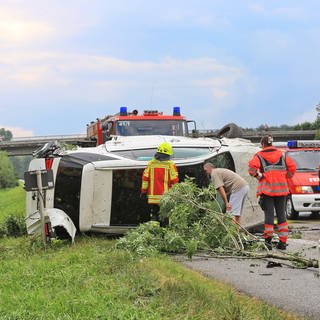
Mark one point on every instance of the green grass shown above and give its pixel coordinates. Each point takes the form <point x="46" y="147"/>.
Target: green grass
<point x="12" y="202"/>
<point x="91" y="280"/>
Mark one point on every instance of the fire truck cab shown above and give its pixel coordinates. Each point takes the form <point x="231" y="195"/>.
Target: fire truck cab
<point x="150" y="122"/>
<point x="304" y="185"/>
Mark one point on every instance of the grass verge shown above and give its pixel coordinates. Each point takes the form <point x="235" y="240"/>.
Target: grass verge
<point x="12" y="202"/>
<point x="92" y="280"/>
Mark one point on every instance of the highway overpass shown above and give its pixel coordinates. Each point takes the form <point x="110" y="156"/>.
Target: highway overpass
<point x="255" y="136"/>
<point x="26" y="146"/>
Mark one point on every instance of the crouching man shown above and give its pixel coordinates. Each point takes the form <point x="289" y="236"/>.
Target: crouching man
<point x="230" y="186"/>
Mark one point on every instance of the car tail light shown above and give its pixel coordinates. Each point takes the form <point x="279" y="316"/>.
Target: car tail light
<point x="49" y="162"/>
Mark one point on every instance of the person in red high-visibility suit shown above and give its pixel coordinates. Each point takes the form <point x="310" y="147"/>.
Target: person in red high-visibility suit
<point x="272" y="168"/>
<point x="158" y="177"/>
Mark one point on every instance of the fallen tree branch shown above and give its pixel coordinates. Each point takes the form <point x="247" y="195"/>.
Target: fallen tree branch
<point x="254" y="255"/>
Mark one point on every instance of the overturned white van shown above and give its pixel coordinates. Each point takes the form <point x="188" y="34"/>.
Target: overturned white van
<point x="97" y="189"/>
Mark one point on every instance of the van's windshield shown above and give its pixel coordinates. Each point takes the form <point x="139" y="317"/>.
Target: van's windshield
<point x="306" y="159"/>
<point x="178" y="153"/>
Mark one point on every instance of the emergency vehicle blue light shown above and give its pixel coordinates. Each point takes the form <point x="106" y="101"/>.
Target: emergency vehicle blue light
<point x="292" y="144"/>
<point x="123" y="111"/>
<point x="176" y="111"/>
<point x="317" y="188"/>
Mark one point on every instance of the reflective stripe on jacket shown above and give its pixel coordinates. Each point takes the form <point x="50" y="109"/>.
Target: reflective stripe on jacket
<point x="274" y="166"/>
<point x="274" y="181"/>
<point x="157" y="178"/>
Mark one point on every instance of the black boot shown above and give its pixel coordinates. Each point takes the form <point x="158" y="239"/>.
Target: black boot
<point x="281" y="245"/>
<point x="268" y="243"/>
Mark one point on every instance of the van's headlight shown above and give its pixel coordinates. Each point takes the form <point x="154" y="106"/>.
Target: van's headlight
<point x="304" y="189"/>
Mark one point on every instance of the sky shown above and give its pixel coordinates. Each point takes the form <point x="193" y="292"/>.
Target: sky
<point x="66" y="63"/>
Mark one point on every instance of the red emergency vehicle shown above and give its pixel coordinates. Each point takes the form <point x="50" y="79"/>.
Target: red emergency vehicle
<point x="150" y="122"/>
<point x="304" y="185"/>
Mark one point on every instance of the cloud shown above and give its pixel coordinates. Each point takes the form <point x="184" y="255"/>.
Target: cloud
<point x="194" y="18"/>
<point x="16" y="29"/>
<point x="59" y="69"/>
<point x="307" y="116"/>
<point x="44" y="22"/>
<point x="292" y="12"/>
<point x="91" y="85"/>
<point x="18" y="132"/>
<point x="12" y="31"/>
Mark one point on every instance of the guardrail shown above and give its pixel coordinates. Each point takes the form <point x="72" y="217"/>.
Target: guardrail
<point x="27" y="145"/>
<point x="278" y="135"/>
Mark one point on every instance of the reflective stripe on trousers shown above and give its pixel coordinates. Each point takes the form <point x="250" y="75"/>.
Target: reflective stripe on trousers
<point x="283" y="231"/>
<point x="268" y="231"/>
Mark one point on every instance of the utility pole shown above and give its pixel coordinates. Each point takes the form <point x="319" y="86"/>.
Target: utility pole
<point x="40" y="180"/>
<point x="41" y="208"/>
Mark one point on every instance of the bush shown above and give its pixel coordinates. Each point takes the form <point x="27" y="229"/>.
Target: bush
<point x="13" y="226"/>
<point x="8" y="178"/>
<point x="196" y="223"/>
<point x="3" y="230"/>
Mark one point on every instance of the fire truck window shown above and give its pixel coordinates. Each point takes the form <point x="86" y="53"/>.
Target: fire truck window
<point x="142" y="127"/>
<point x="306" y="159"/>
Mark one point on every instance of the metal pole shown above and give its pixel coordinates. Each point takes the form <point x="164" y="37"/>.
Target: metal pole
<point x="41" y="207"/>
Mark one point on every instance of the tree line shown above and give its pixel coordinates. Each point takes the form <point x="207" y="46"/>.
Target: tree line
<point x="315" y="125"/>
<point x="11" y="168"/>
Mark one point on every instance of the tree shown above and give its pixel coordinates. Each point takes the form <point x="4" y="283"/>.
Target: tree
<point x="6" y="135"/>
<point x="306" y="125"/>
<point x="8" y="178"/>
<point x="316" y="124"/>
<point x="20" y="164"/>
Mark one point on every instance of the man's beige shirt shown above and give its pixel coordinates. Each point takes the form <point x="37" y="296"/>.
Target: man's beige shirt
<point x="228" y="179"/>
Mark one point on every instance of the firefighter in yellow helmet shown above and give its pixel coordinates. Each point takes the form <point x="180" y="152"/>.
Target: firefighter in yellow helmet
<point x="158" y="177"/>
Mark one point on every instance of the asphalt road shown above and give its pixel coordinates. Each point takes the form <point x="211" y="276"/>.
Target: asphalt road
<point x="295" y="290"/>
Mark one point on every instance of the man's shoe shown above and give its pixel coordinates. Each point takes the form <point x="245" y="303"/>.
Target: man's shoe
<point x="268" y="243"/>
<point x="281" y="245"/>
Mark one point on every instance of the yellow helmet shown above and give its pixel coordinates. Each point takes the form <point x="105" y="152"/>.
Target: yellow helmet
<point x="165" y="148"/>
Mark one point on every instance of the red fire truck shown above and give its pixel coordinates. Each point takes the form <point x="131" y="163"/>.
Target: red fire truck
<point x="150" y="122"/>
<point x="304" y="185"/>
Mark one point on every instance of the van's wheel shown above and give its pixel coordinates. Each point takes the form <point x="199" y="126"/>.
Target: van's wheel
<point x="315" y="215"/>
<point x="61" y="233"/>
<point x="230" y="130"/>
<point x="290" y="212"/>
